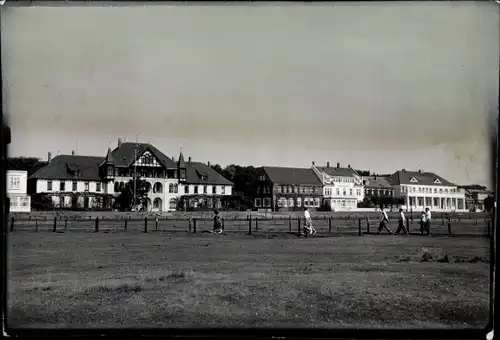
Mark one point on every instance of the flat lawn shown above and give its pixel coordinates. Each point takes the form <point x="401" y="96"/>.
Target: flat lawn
<point x="100" y="280"/>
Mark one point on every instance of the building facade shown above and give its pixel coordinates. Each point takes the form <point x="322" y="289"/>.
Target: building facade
<point x="342" y="187"/>
<point x="287" y="189"/>
<point x="72" y="181"/>
<point x="377" y="186"/>
<point x="422" y="190"/>
<point x="17" y="191"/>
<point x="475" y="196"/>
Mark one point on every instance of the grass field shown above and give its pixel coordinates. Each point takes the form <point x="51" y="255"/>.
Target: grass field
<point x="126" y="279"/>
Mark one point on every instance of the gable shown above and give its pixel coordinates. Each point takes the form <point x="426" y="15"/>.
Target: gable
<point x="413" y="180"/>
<point x="437" y="181"/>
<point x="147" y="159"/>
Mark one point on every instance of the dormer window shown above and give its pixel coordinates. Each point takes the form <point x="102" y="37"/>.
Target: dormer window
<point x="413" y="180"/>
<point x="437" y="181"/>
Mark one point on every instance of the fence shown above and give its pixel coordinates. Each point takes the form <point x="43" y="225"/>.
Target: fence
<point x="327" y="225"/>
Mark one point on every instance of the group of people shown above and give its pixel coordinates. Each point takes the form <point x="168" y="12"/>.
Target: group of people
<point x="425" y="223"/>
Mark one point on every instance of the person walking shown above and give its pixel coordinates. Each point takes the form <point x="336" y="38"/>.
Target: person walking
<point x="308" y="227"/>
<point x="423" y="219"/>
<point x="217" y="223"/>
<point x="384" y="220"/>
<point x="428" y="220"/>
<point x="401" y="223"/>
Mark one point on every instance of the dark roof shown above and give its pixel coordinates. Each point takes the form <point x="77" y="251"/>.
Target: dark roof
<point x="200" y="173"/>
<point x="292" y="176"/>
<point x="423" y="178"/>
<point x="334" y="171"/>
<point x="376" y="182"/>
<point x="69" y="167"/>
<point x="124" y="155"/>
<point x="109" y="157"/>
<point x="181" y="163"/>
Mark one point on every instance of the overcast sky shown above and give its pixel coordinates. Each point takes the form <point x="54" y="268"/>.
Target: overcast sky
<point x="379" y="86"/>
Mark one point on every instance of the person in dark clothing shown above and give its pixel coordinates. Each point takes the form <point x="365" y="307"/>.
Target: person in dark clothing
<point x="401" y="223"/>
<point x="217" y="223"/>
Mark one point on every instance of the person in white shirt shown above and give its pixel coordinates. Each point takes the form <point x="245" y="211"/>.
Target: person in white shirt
<point x="384" y="220"/>
<point x="428" y="220"/>
<point x="423" y="220"/>
<point x="401" y="223"/>
<point x="308" y="223"/>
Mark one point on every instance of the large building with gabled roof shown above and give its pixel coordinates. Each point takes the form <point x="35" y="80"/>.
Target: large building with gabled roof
<point x="422" y="190"/>
<point x="74" y="181"/>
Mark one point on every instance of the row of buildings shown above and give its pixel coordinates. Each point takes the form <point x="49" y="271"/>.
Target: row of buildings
<point x="75" y="181"/>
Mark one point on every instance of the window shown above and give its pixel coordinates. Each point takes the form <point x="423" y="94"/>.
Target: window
<point x="186" y="189"/>
<point x="290" y="202"/>
<point x="25" y="201"/>
<point x="86" y="186"/>
<point x="176" y="188"/>
<point x="195" y="189"/>
<point x="358" y="192"/>
<point x="117" y="186"/>
<point x="223" y="190"/>
<point x="267" y="202"/>
<point x="316" y="202"/>
<point x="262" y="178"/>
<point x="62" y="186"/>
<point x="98" y="187"/>
<point x="171" y="188"/>
<point x="49" y="185"/>
<point x="258" y="202"/>
<point x="204" y="189"/>
<point x="214" y="191"/>
<point x="338" y="191"/>
<point x="173" y="204"/>
<point x="15" y="183"/>
<point x="350" y="192"/>
<point x="299" y="202"/>
<point x="344" y="192"/>
<point x="435" y="190"/>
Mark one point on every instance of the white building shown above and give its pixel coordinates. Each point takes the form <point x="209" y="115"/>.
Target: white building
<point x="17" y="191"/>
<point x="73" y="181"/>
<point x="427" y="190"/>
<point x="342" y="187"/>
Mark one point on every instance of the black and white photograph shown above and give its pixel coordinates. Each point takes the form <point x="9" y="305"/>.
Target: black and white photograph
<point x="256" y="165"/>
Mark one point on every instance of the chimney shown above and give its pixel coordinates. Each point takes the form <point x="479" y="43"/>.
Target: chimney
<point x="419" y="171"/>
<point x="375" y="177"/>
<point x="327" y="164"/>
<point x="313" y="163"/>
<point x="173" y="158"/>
<point x="49" y="157"/>
<point x="338" y="165"/>
<point x="189" y="159"/>
<point x="349" y="166"/>
<point x="404" y="170"/>
<point x="208" y="163"/>
<point x="72" y="152"/>
<point x="119" y="142"/>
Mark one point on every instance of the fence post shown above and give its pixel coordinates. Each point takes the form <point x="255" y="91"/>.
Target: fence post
<point x="306" y="233"/>
<point x="359" y="227"/>
<point x="194" y="225"/>
<point x="449" y="226"/>
<point x="476" y="220"/>
<point x="36" y="224"/>
<point x="55" y="225"/>
<point x="97" y="224"/>
<point x="125" y="224"/>
<point x="256" y="224"/>
<point x="156" y="223"/>
<point x="367" y="225"/>
<point x="249" y="225"/>
<point x="222" y="219"/>
<point x="290" y="222"/>
<point x="298" y="226"/>
<point x="330" y="224"/>
<point x="12" y="224"/>
<point x="145" y="224"/>
<point x="66" y="224"/>
<point x="408" y="225"/>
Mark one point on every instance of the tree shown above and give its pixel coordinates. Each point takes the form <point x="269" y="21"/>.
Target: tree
<point x="29" y="164"/>
<point x="489" y="203"/>
<point x="125" y="200"/>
